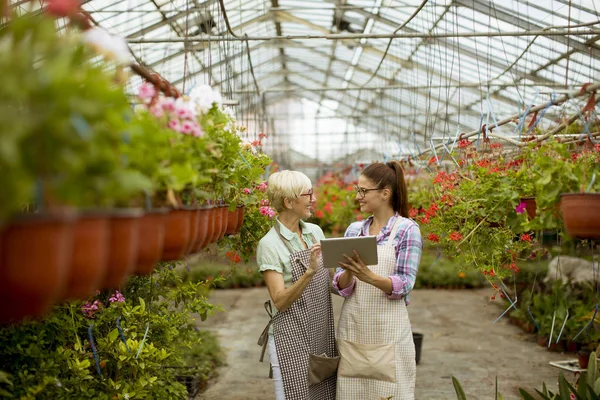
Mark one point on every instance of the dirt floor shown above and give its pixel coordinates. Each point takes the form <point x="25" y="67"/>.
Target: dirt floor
<point x="460" y="339"/>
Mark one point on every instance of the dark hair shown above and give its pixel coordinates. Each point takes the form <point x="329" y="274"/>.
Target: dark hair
<point x="390" y="175"/>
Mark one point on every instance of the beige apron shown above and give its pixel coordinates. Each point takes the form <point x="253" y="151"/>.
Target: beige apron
<point x="375" y="339"/>
<point x="304" y="336"/>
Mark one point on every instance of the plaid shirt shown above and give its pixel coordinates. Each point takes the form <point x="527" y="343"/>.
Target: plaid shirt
<point x="408" y="246"/>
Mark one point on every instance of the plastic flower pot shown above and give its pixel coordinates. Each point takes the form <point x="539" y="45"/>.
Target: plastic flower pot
<point x="193" y="229"/>
<point x="581" y="214"/>
<point x="151" y="242"/>
<point x="36" y="252"/>
<point x="177" y="234"/>
<point x="218" y="224"/>
<point x="530" y="206"/>
<point x="241" y="210"/>
<point x="124" y="241"/>
<point x="224" y="210"/>
<point x="232" y="221"/>
<point x="203" y="229"/>
<point x="91" y="241"/>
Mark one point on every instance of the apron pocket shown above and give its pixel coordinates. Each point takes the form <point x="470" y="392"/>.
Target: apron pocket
<point x="321" y="368"/>
<point x="371" y="361"/>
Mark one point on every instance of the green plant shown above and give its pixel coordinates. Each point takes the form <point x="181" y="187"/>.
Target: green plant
<point x="64" y="120"/>
<point x="55" y="356"/>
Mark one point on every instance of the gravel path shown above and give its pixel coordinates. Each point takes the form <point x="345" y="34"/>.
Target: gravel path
<point x="460" y="339"/>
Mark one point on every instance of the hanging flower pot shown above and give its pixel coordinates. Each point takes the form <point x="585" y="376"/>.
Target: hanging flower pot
<point x="177" y="234"/>
<point x="193" y="229"/>
<point x="151" y="242"/>
<point x="241" y="210"/>
<point x="232" y="221"/>
<point x="124" y="241"/>
<point x="581" y="214"/>
<point x="35" y="253"/>
<point x="530" y="206"/>
<point x="224" y="210"/>
<point x="90" y="255"/>
<point x="218" y="224"/>
<point x="212" y="226"/>
<point x="203" y="229"/>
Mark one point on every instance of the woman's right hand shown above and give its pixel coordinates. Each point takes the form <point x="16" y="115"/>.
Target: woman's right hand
<point x="315" y="258"/>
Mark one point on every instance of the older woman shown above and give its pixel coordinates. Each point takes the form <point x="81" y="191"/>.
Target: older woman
<point x="300" y="335"/>
<point x="374" y="334"/>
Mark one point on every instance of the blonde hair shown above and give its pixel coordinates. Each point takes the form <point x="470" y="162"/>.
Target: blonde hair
<point x="286" y="185"/>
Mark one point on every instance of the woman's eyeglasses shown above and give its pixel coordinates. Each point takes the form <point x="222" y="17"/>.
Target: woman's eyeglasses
<point x="363" y="191"/>
<point x="310" y="194"/>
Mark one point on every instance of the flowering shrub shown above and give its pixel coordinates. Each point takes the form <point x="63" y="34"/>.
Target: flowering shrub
<point x="336" y="205"/>
<point x="115" y="345"/>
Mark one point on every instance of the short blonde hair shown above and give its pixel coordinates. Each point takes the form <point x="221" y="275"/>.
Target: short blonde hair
<point x="286" y="185"/>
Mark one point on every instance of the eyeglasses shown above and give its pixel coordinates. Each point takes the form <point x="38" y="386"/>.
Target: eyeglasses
<point x="310" y="193"/>
<point x="363" y="191"/>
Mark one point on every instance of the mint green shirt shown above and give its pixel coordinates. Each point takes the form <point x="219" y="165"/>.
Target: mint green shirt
<point x="273" y="254"/>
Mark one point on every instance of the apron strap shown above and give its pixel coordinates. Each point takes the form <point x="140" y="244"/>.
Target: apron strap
<point x="394" y="231"/>
<point x="264" y="336"/>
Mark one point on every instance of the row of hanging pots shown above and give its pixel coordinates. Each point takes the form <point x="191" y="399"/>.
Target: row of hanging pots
<point x="580" y="213"/>
<point x="45" y="259"/>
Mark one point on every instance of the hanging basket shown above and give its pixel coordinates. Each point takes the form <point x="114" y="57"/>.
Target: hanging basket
<point x="530" y="206"/>
<point x="124" y="241"/>
<point x="203" y="222"/>
<point x="177" y="234"/>
<point x="91" y="241"/>
<point x="217" y="224"/>
<point x="224" y="213"/>
<point x="241" y="210"/>
<point x="151" y="242"/>
<point x="581" y="214"/>
<point x="35" y="258"/>
<point x="232" y="221"/>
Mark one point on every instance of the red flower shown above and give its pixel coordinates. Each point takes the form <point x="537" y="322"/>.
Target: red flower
<point x="261" y="135"/>
<point x="526" y="237"/>
<point x="334" y="198"/>
<point x="455" y="236"/>
<point x="413" y="212"/>
<point x="319" y="214"/>
<point x="433" y="160"/>
<point x="464" y="143"/>
<point x="233" y="257"/>
<point x="329" y="207"/>
<point x="433" y="237"/>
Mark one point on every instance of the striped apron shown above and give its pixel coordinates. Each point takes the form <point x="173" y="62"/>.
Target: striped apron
<point x="303" y="331"/>
<point x="380" y="329"/>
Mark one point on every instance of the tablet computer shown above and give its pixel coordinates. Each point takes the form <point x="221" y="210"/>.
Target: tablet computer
<point x="333" y="250"/>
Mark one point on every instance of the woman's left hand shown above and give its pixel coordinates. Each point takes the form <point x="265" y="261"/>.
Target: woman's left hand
<point x="358" y="268"/>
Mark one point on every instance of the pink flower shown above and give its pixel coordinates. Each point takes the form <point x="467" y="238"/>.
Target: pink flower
<point x="267" y="211"/>
<point x="187" y="127"/>
<point x="246" y="191"/>
<point x="62" y="8"/>
<point x="147" y="91"/>
<point x="262" y="187"/>
<point x="264" y="202"/>
<point x="183" y="112"/>
<point x="520" y="209"/>
<point x="117" y="297"/>
<point x="175" y="125"/>
<point x="197" y="130"/>
<point x="261" y="136"/>
<point x="89" y="309"/>
<point x="157" y="111"/>
<point x="168" y="104"/>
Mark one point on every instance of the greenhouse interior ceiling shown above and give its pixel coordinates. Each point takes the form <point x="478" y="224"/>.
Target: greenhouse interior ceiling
<point x="335" y="80"/>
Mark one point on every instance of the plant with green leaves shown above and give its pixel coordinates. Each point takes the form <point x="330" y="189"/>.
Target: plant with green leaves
<point x="64" y="121"/>
<point x="115" y="344"/>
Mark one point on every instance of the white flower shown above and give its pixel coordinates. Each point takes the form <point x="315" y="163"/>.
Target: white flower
<point x="204" y="97"/>
<point x="113" y="47"/>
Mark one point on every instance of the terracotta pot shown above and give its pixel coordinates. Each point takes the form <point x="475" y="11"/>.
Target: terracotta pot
<point x="36" y="253"/>
<point x="124" y="242"/>
<point x="193" y="229"/>
<point x="218" y="224"/>
<point x="224" y="220"/>
<point x="583" y="356"/>
<point x="152" y="237"/>
<point x="232" y="221"/>
<point x="202" y="236"/>
<point x="530" y="206"/>
<point x="241" y="210"/>
<point x="581" y="214"/>
<point x="91" y="241"/>
<point x="212" y="225"/>
<point x="177" y="234"/>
